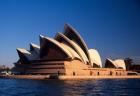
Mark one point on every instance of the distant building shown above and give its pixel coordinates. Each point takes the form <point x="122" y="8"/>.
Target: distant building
<point x="65" y="54"/>
<point x="4" y="70"/>
<point x="133" y="64"/>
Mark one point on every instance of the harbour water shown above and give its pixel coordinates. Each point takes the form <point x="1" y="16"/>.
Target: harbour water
<point x="96" y="87"/>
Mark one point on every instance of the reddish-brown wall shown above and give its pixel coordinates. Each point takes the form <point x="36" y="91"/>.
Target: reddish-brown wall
<point x="78" y="68"/>
<point x="70" y="68"/>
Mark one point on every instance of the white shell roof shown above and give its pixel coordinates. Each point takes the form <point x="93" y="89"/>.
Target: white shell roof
<point x="36" y="48"/>
<point x="82" y="44"/>
<point x="27" y="54"/>
<point x="112" y="62"/>
<point x="72" y="50"/>
<point x="75" y="47"/>
<point x="59" y="45"/>
<point x="81" y="52"/>
<point x="24" y="51"/>
<point x="66" y="39"/>
<point x="95" y="57"/>
<point x="41" y="36"/>
<point x="120" y="63"/>
<point x="73" y="53"/>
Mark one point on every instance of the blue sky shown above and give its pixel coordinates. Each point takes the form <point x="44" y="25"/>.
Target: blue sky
<point x="110" y="26"/>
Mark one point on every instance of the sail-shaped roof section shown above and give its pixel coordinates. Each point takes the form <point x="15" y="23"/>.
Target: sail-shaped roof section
<point x="110" y="64"/>
<point x="43" y="46"/>
<point x="120" y="64"/>
<point x="65" y="42"/>
<point x="73" y="53"/>
<point x="95" y="57"/>
<point x="52" y="49"/>
<point x="34" y="47"/>
<point x="25" y="55"/>
<point x="81" y="52"/>
<point x="73" y="35"/>
<point x="62" y="38"/>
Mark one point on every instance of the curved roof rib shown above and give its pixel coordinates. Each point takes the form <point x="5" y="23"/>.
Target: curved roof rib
<point x="72" y="45"/>
<point x="95" y="57"/>
<point x="25" y="54"/>
<point x="81" y="52"/>
<point x="48" y="44"/>
<point x="72" y="34"/>
<point x="34" y="47"/>
<point x="42" y="46"/>
<point x="62" y="38"/>
<point x="120" y="63"/>
<point x="73" y="53"/>
<point x="110" y="64"/>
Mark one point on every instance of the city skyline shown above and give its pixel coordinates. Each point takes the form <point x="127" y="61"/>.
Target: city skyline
<point x="112" y="27"/>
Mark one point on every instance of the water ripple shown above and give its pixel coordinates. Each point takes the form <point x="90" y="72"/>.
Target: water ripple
<point x="101" y="87"/>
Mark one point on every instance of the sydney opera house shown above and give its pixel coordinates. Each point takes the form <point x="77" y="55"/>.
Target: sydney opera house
<point x="65" y="54"/>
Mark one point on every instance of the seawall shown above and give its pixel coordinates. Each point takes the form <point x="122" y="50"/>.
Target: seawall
<point x="47" y="77"/>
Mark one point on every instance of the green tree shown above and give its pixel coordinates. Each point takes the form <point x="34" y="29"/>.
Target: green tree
<point x="128" y="62"/>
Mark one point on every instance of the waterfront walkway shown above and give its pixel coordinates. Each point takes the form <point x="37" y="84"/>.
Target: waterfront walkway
<point x="47" y="77"/>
